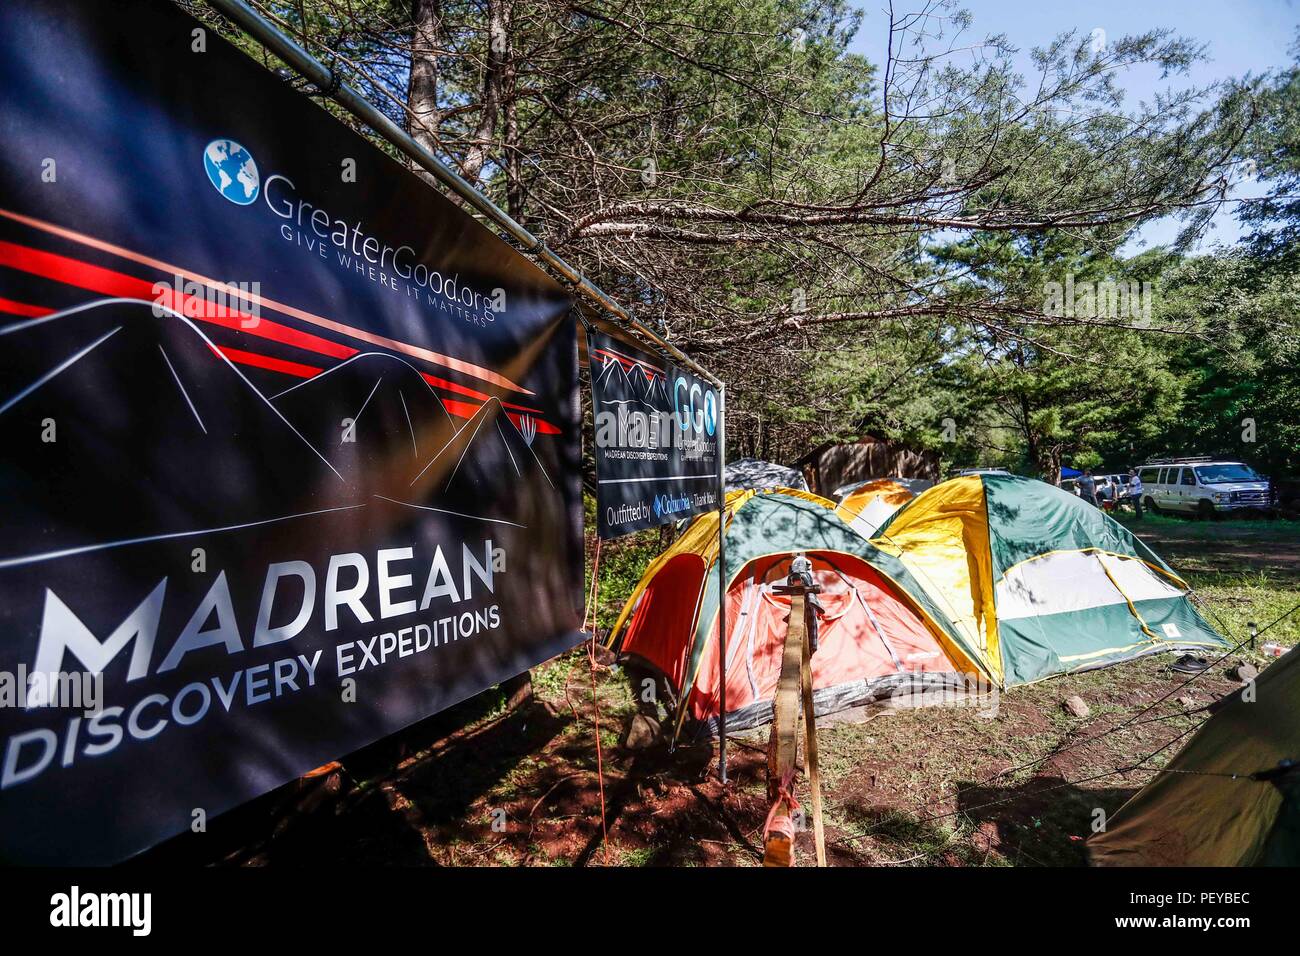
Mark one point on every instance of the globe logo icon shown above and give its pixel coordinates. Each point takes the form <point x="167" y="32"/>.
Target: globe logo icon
<point x="710" y="413"/>
<point x="231" y="171"/>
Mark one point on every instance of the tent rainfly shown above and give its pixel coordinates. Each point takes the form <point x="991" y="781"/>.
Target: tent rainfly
<point x="1227" y="798"/>
<point x="881" y="635"/>
<point x="1038" y="581"/>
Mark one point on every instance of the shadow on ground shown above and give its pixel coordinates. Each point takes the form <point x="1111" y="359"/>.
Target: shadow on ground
<point x="391" y="803"/>
<point x="1041" y="822"/>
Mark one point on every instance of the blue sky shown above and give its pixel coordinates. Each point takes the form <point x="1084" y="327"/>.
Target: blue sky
<point x="1243" y="36"/>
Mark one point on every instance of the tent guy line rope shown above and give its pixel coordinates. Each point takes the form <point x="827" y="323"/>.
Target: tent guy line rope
<point x="1058" y="786"/>
<point x="594" y="595"/>
<point x="1278" y="620"/>
<point x="1134" y="720"/>
<point x="1131" y="721"/>
<point x="1258" y="776"/>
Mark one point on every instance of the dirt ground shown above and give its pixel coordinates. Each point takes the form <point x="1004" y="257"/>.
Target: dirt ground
<point x="482" y="785"/>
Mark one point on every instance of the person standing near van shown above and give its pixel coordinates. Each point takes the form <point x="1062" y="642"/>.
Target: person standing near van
<point x="1135" y="493"/>
<point x="1088" y="487"/>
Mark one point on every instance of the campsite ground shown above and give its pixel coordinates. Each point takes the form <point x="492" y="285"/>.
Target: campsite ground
<point x="481" y="785"/>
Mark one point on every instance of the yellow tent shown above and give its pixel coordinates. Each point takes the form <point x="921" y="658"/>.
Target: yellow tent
<point x="1039" y="582"/>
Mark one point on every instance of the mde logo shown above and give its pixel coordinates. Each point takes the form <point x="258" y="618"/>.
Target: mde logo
<point x="232" y="171"/>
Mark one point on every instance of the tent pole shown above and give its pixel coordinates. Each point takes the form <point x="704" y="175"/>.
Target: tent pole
<point x="722" y="584"/>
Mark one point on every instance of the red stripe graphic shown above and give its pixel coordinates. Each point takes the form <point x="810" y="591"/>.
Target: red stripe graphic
<point x="428" y="355"/>
<point x="48" y="265"/>
<point x="240" y="357"/>
<point x="543" y="427"/>
<point x="22" y="308"/>
<point x="470" y="393"/>
<point x="469" y="410"/>
<point x="84" y="275"/>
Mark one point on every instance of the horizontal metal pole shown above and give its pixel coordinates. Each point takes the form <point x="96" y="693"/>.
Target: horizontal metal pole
<point x="283" y="46"/>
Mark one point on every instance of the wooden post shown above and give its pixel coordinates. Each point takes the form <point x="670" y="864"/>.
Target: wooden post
<point x="810" y="754"/>
<point x="722" y="583"/>
<point x="783" y="745"/>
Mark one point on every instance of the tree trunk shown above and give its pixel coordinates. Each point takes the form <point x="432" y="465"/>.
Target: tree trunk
<point x="422" y="86"/>
<point x="515" y="196"/>
<point x="1052" y="473"/>
<point x="498" y="49"/>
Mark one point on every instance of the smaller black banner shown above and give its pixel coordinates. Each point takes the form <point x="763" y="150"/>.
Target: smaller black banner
<point x="656" y="438"/>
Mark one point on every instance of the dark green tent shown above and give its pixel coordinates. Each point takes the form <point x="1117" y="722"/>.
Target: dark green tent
<point x="1197" y="813"/>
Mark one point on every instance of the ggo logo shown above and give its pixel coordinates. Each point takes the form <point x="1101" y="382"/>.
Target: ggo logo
<point x="696" y="407"/>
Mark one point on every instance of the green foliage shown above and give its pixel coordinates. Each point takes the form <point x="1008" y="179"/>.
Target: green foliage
<point x="1239" y="389"/>
<point x="867" y="247"/>
<point x="622" y="562"/>
<point x="1273" y="155"/>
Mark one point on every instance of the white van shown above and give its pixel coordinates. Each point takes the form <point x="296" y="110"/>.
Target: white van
<point x="1203" y="486"/>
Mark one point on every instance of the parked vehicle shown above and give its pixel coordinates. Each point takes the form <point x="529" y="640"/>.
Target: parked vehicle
<point x="1119" y="482"/>
<point x="1204" y="486"/>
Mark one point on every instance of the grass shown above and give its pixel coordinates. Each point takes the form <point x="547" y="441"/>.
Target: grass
<point x="622" y="562"/>
<point x="1214" y="529"/>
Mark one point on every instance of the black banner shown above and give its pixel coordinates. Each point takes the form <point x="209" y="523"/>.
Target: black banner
<point x="656" y="431"/>
<point x="291" y="447"/>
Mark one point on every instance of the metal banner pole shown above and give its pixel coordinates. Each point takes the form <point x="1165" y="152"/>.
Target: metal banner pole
<point x="331" y="84"/>
<point x="722" y="584"/>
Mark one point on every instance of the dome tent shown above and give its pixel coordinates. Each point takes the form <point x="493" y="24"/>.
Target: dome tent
<point x="881" y="636"/>
<point x="1197" y="813"/>
<point x="1038" y="581"/>
<point x="914" y="485"/>
<point x="761" y="475"/>
<point x="869" y="504"/>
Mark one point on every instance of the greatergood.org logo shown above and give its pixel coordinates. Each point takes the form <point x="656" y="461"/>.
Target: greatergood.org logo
<point x="232" y="171"/>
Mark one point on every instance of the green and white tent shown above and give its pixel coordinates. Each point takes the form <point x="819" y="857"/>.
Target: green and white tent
<point x="1038" y="581"/>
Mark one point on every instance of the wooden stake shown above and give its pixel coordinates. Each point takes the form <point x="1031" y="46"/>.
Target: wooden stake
<point x="783" y="746"/>
<point x="810" y="754"/>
